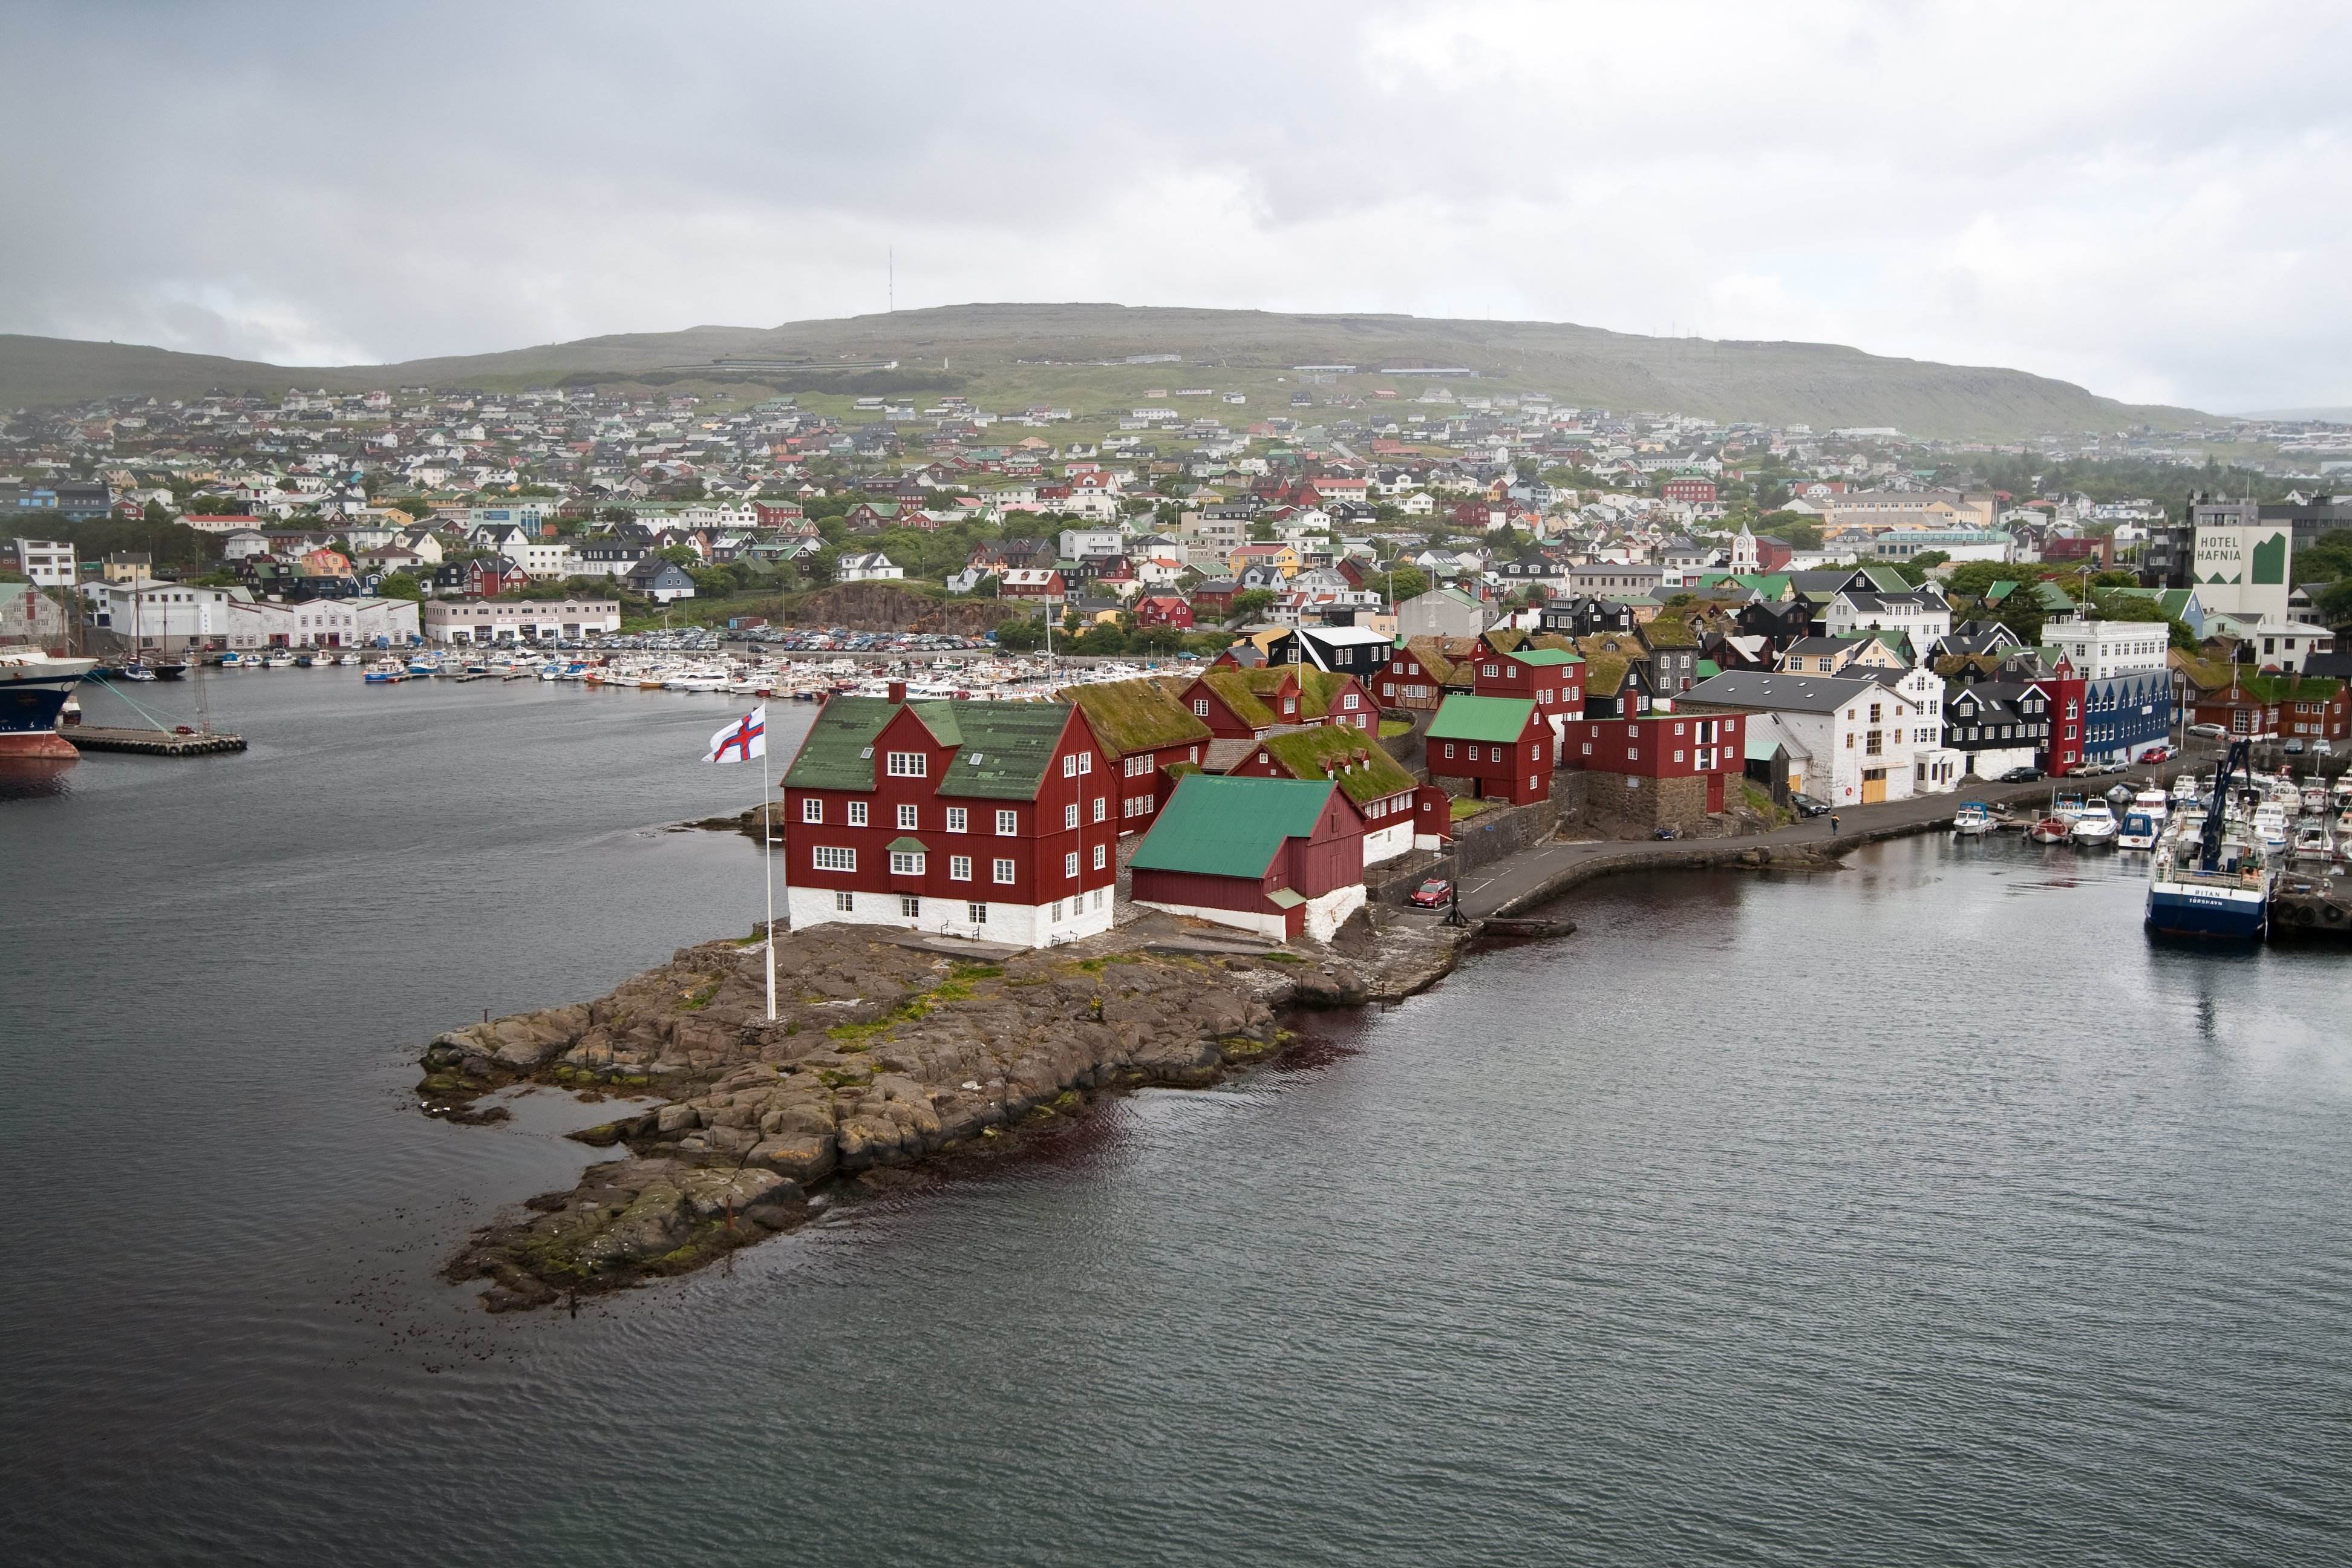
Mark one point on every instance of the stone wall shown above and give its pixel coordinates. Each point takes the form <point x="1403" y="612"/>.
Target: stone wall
<point x="1627" y="803"/>
<point x="1481" y="840"/>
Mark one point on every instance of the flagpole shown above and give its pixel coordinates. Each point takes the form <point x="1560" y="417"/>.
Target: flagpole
<point x="767" y="864"/>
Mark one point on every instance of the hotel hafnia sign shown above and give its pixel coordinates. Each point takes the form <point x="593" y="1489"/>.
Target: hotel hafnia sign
<point x="2251" y="558"/>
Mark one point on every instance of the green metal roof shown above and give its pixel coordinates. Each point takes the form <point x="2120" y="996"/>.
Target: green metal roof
<point x="1003" y="748"/>
<point x="1215" y="826"/>
<point x="1461" y="718"/>
<point x="909" y="847"/>
<point x="1546" y="656"/>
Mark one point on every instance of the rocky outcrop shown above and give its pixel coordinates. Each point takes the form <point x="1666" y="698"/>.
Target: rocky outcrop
<point x="888" y="1048"/>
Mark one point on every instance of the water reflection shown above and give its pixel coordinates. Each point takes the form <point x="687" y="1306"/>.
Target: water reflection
<point x="35" y="778"/>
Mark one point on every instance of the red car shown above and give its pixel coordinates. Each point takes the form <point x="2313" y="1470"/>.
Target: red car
<point x="2157" y="754"/>
<point x="1433" y="894"/>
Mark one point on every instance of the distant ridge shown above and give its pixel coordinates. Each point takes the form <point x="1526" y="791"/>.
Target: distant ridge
<point x="985" y="347"/>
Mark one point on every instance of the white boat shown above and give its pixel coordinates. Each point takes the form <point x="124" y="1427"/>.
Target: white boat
<point x="349" y="658"/>
<point x="2154" y="803"/>
<point x="2139" y="830"/>
<point x="2312" y="841"/>
<point x="2184" y="788"/>
<point x="2315" y="800"/>
<point x="2230" y="898"/>
<point x="1972" y="818"/>
<point x="2096" y="825"/>
<point x="278" y="661"/>
<point x="2269" y="825"/>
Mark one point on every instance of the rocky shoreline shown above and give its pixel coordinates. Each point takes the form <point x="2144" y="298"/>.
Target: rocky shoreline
<point x="889" y="1048"/>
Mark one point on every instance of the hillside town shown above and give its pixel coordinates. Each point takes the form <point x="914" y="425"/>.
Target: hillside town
<point x="1421" y="604"/>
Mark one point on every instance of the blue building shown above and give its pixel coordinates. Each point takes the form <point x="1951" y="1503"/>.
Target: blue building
<point x="2126" y="714"/>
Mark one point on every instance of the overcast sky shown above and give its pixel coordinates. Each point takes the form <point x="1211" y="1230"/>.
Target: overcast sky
<point x="2153" y="201"/>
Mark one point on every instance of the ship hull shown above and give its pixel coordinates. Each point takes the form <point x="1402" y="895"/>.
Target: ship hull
<point x="2174" y="909"/>
<point x="31" y="694"/>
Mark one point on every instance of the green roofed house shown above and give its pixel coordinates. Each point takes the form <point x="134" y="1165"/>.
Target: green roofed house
<point x="1374" y="782"/>
<point x="981" y="820"/>
<point x="1501" y="748"/>
<point x="1283" y="857"/>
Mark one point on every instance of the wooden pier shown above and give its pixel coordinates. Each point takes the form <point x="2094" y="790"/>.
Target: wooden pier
<point x="149" y="742"/>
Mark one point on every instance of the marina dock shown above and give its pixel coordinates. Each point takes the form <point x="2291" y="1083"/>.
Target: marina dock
<point x="151" y="743"/>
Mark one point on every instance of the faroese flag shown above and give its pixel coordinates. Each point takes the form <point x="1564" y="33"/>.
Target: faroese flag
<point x="743" y="739"/>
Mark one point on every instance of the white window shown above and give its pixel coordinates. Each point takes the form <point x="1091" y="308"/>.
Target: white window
<point x="906" y="862"/>
<point x="910" y="909"/>
<point x="1057" y="912"/>
<point x="907" y="818"/>
<point x="1070" y="815"/>
<point x="811" y="810"/>
<point x="976" y="914"/>
<point x="958" y="819"/>
<point x="1100" y="851"/>
<point x="1102" y="808"/>
<point x="1007" y="822"/>
<point x="959" y="867"/>
<point x="1098" y="897"/>
<point x="1005" y="873"/>
<point x="907" y="764"/>
<point x="1086" y="762"/>
<point x="856" y="813"/>
<point x="1070" y="864"/>
<point x="1348" y="701"/>
<point x="1200" y="710"/>
<point x="843" y="903"/>
<point x="1449" y="748"/>
<point x="833" y="858"/>
<point x="1070" y="766"/>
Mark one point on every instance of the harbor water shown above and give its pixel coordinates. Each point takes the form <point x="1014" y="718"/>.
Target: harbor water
<point x="1921" y="1213"/>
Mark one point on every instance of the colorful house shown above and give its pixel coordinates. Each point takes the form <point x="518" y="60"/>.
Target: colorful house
<point x="1501" y="747"/>
<point x="985" y="819"/>
<point x="1551" y="677"/>
<point x="1143" y="729"/>
<point x="1283" y="857"/>
<point x="1374" y="782"/>
<point x="1672" y="767"/>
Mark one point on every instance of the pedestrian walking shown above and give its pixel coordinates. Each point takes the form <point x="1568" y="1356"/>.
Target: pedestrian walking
<point x="1833" y="824"/>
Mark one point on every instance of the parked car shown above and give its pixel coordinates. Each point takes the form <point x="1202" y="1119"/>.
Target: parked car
<point x="1432" y="894"/>
<point x="2323" y="748"/>
<point x="2207" y="731"/>
<point x="2157" y="754"/>
<point x="2020" y="776"/>
<point x="1806" y="806"/>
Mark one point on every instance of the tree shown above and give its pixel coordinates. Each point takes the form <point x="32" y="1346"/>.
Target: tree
<point x="2022" y="614"/>
<point x="1250" y="604"/>
<point x="1260" y="534"/>
<point x="1021" y="636"/>
<point x="1794" y="529"/>
<point x="1407" y="583"/>
<point x="399" y="585"/>
<point x="680" y="555"/>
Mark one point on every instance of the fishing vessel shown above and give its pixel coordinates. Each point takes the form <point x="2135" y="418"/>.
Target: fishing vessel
<point x="2217" y="882"/>
<point x="32" y="689"/>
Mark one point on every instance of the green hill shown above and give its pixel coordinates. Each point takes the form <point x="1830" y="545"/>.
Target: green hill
<point x="1000" y="353"/>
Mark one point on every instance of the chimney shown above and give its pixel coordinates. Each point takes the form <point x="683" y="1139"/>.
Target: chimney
<point x="898" y="691"/>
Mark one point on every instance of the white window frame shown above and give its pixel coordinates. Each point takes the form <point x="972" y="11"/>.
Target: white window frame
<point x="1070" y="864"/>
<point x="959" y="867"/>
<point x="856" y="813"/>
<point x="910" y="818"/>
<point x="959" y="819"/>
<point x="908" y="766"/>
<point x="1007" y="823"/>
<point x="844" y="904"/>
<point x="1101" y="857"/>
<point x="812" y="810"/>
<point x="1005" y="872"/>
<point x="906" y="862"/>
<point x="833" y="858"/>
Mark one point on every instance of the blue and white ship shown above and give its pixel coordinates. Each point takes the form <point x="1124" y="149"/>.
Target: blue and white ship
<point x="2214" y="883"/>
<point x="32" y="691"/>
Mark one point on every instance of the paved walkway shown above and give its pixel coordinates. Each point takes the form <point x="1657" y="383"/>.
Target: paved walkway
<point x="1522" y="879"/>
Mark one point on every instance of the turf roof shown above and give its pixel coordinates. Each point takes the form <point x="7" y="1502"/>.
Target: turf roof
<point x="1141" y="715"/>
<point x="1346" y="755"/>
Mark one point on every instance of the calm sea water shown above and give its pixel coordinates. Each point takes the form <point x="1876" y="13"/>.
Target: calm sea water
<point x="1921" y="1214"/>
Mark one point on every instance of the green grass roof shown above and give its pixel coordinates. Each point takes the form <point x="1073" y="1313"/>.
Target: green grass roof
<point x="1669" y="631"/>
<point x="1370" y="773"/>
<point x="1141" y="715"/>
<point x="1004" y="747"/>
<point x="1462" y="718"/>
<point x="1234" y="687"/>
<point x="1216" y="825"/>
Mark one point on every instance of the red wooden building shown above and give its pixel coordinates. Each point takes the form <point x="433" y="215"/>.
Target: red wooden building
<point x="1551" y="679"/>
<point x="1706" y="747"/>
<point x="1501" y="747"/>
<point x="1283" y="857"/>
<point x="986" y="819"/>
<point x="1143" y="731"/>
<point x="1163" y="610"/>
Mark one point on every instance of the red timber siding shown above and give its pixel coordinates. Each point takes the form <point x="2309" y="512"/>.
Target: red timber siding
<point x="1143" y="791"/>
<point x="1333" y="857"/>
<point x="2062" y="753"/>
<point x="1659" y="745"/>
<point x="1364" y="714"/>
<point x="1207" y="892"/>
<point x="1519" y="772"/>
<point x="1405" y="682"/>
<point x="1563" y="682"/>
<point x="1432" y="812"/>
<point x="1038" y="847"/>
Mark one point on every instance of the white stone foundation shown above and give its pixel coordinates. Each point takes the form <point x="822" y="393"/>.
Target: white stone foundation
<point x="1016" y="925"/>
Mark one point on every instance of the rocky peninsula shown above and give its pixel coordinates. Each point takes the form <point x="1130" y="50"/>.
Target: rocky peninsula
<point x="889" y="1048"/>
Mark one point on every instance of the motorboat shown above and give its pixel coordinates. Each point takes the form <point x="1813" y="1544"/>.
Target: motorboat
<point x="2066" y="805"/>
<point x="385" y="671"/>
<point x="2154" y="803"/>
<point x="2184" y="788"/>
<point x="2269" y="825"/>
<point x="135" y="672"/>
<point x="348" y="658"/>
<point x="1972" y="818"/>
<point x="2050" y="830"/>
<point x="2315" y="800"/>
<point x="2096" y="826"/>
<point x="2139" y="830"/>
<point x="2312" y="841"/>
